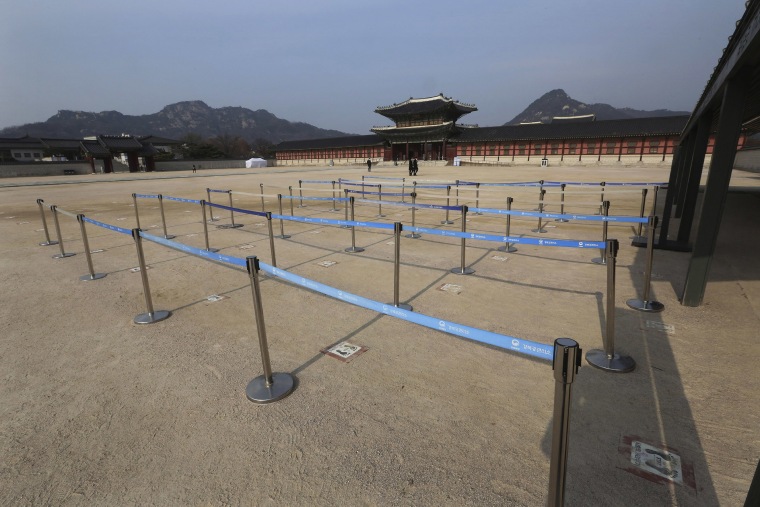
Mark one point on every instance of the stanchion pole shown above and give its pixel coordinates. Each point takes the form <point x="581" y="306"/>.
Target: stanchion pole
<point x="353" y="248"/>
<point x="47" y="241"/>
<point x="539" y="229"/>
<point x="63" y="254"/>
<point x="403" y="189"/>
<point x="645" y="304"/>
<point x="163" y="217"/>
<point x="282" y="227"/>
<point x="414" y="191"/>
<point x="345" y="209"/>
<point x="380" y="201"/>
<point x="150" y="316"/>
<point x="507" y="247"/>
<point x="540" y="192"/>
<point x="137" y="213"/>
<point x="413" y="234"/>
<point x="334" y="208"/>
<point x="606" y="212"/>
<point x="607" y="359"/>
<point x="211" y="210"/>
<point x="205" y="227"/>
<point x="271" y="238"/>
<point x="462" y="269"/>
<point x="397" y="227"/>
<point x="261" y="192"/>
<point x="457" y="192"/>
<point x="92" y="275"/>
<point x="477" y="198"/>
<point x="641" y="213"/>
<point x="561" y="203"/>
<point x="232" y="225"/>
<point x="448" y="200"/>
<point x="567" y="358"/>
<point x="270" y="386"/>
<point x="601" y="206"/>
<point x="290" y="193"/>
<point x="655" y="191"/>
<point x="300" y="195"/>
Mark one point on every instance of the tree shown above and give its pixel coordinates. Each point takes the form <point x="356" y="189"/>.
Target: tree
<point x="263" y="148"/>
<point x="231" y="146"/>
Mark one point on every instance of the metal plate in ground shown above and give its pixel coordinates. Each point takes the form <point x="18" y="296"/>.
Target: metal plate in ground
<point x="97" y="251"/>
<point x="246" y="247"/>
<point x="450" y="287"/>
<point x="344" y="351"/>
<point x="326" y="264"/>
<point x="657" y="461"/>
<point x="500" y="258"/>
<point x="213" y="298"/>
<point x="137" y="269"/>
<point x="653" y="325"/>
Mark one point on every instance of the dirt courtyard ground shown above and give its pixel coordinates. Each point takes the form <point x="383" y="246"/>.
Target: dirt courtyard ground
<point x="96" y="410"/>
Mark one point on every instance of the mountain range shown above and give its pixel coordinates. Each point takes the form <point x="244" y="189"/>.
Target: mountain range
<point x="195" y="116"/>
<point x="559" y="103"/>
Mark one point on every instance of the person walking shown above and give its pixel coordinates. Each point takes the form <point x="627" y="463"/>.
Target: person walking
<point x="414" y="166"/>
<point x="193" y="167"/>
<point x="411" y="166"/>
<point x="369" y="165"/>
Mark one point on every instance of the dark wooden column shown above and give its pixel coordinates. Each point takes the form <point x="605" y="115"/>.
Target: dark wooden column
<point x="718" y="179"/>
<point x="682" y="177"/>
<point x="693" y="171"/>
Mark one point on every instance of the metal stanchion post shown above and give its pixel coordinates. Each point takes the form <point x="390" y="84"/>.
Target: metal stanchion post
<point x="540" y="192"/>
<point x="562" y="203"/>
<point x="638" y="237"/>
<point x="282" y="227"/>
<point x="137" y="213"/>
<point x="462" y="269"/>
<point x="211" y="210"/>
<point x="607" y="359"/>
<point x="414" y="191"/>
<point x="345" y="209"/>
<point x="290" y="193"/>
<point x="448" y="200"/>
<point x="457" y="192"/>
<point x="397" y="227"/>
<point x="566" y="362"/>
<point x="507" y="246"/>
<point x="539" y="229"/>
<point x="232" y="224"/>
<point x="150" y="316"/>
<point x="645" y="304"/>
<point x="47" y="241"/>
<point x="413" y="234"/>
<point x="261" y="192"/>
<point x="601" y="206"/>
<point x="380" y="202"/>
<point x="300" y="195"/>
<point x="403" y="189"/>
<point x="270" y="386"/>
<point x="353" y="248"/>
<point x="163" y="217"/>
<point x="334" y="208"/>
<point x="205" y="227"/>
<point x="63" y="254"/>
<point x="271" y="238"/>
<point x="477" y="198"/>
<point x="92" y="275"/>
<point x="606" y="212"/>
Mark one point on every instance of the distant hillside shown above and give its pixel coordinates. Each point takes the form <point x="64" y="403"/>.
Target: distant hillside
<point x="174" y="121"/>
<point x="558" y="103"/>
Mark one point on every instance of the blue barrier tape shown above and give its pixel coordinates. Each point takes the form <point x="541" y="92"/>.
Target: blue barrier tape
<point x="108" y="226"/>
<point x="390" y="194"/>
<point x="527" y="347"/>
<point x="384" y="178"/>
<point x="566" y="243"/>
<point x="316" y="198"/>
<point x="147" y="196"/>
<point x="327" y="221"/>
<point x="536" y="214"/>
<point x="619" y="183"/>
<point x="218" y="191"/>
<point x="180" y="199"/>
<point x="238" y="210"/>
<point x="192" y="250"/>
<point x="360" y="184"/>
<point x="316" y="181"/>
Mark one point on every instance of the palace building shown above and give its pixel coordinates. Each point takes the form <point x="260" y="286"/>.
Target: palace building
<point x="427" y="128"/>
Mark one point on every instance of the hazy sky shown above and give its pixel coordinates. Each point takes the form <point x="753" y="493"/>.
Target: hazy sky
<point x="332" y="62"/>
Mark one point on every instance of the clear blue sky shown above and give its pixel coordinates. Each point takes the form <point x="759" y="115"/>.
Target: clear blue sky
<point x="332" y="62"/>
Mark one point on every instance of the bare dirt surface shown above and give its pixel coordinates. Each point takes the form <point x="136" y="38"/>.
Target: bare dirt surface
<point x="97" y="410"/>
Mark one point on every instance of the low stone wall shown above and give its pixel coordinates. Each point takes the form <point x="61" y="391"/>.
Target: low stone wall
<point x="44" y="169"/>
<point x="202" y="165"/>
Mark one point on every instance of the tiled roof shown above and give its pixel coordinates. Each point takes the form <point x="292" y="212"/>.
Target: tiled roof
<point x="66" y="144"/>
<point x="663" y="125"/>
<point x="425" y="105"/>
<point x="25" y="142"/>
<point x="161" y="141"/>
<point x="120" y="143"/>
<point x="94" y="148"/>
<point x="330" y="142"/>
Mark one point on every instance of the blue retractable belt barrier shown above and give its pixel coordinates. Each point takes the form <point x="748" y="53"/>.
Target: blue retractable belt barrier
<point x="217" y="191"/>
<point x="180" y="199"/>
<point x="327" y="221"/>
<point x="315" y="198"/>
<point x="566" y="243"/>
<point x="107" y="226"/>
<point x="316" y="181"/>
<point x="238" y="210"/>
<point x="536" y="214"/>
<point x="147" y="196"/>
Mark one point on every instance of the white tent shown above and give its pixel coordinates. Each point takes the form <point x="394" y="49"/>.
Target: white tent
<point x="255" y="162"/>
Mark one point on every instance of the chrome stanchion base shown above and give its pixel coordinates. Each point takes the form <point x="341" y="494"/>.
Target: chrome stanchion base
<point x="561" y="220"/>
<point x="345" y="226"/>
<point x="283" y="236"/>
<point x="507" y="248"/>
<point x="48" y="243"/>
<point x="334" y="209"/>
<point x="282" y="385"/>
<point x="61" y="256"/>
<point x="540" y="231"/>
<point x="602" y="261"/>
<point x="615" y="364"/>
<point x="413" y="235"/>
<point x="380" y="216"/>
<point x="88" y="277"/>
<point x="150" y="318"/>
<point x="301" y="206"/>
<point x="446" y="222"/>
<point x="403" y="306"/>
<point x="212" y="250"/>
<point x="639" y="239"/>
<point x="353" y="249"/>
<point x="459" y="271"/>
<point x="477" y="213"/>
<point x="169" y="236"/>
<point x="229" y="226"/>
<point x="645" y="306"/>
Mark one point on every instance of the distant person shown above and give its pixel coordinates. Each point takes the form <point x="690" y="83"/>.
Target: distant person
<point x="411" y="166"/>
<point x="369" y="165"/>
<point x="415" y="168"/>
<point x="193" y="167"/>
